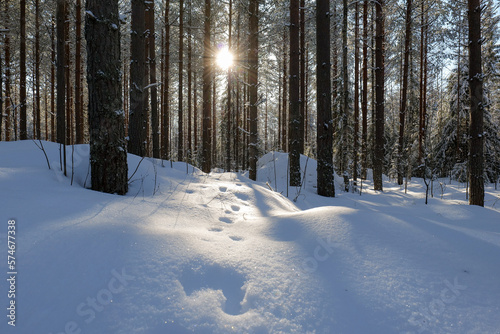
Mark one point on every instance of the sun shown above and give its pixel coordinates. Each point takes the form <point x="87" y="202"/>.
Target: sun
<point x="224" y="59"/>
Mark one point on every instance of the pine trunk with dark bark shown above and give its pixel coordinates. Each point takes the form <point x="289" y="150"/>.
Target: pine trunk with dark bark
<point x="326" y="186"/>
<point x="378" y="159"/>
<point x="207" y="96"/>
<point x="294" y="134"/>
<point x="165" y="142"/>
<point x="253" y="80"/>
<point x="404" y="93"/>
<point x="138" y="115"/>
<point x="108" y="147"/>
<point x="476" y="141"/>
<point x="22" y="80"/>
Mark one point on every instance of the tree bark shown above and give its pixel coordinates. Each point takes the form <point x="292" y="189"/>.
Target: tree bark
<point x="108" y="154"/>
<point x="404" y="92"/>
<point x="138" y="115"/>
<point x="61" y="79"/>
<point x="79" y="122"/>
<point x="325" y="177"/>
<point x="356" y="95"/>
<point x="155" y="128"/>
<point x="22" y="79"/>
<point x="180" y="142"/>
<point x="253" y="80"/>
<point x="378" y="160"/>
<point x="303" y="97"/>
<point x="294" y="136"/>
<point x="165" y="87"/>
<point x="207" y="98"/>
<point x="36" y="113"/>
<point x="364" y="98"/>
<point x="476" y="141"/>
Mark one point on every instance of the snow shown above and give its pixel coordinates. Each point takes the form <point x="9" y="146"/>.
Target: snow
<point x="186" y="252"/>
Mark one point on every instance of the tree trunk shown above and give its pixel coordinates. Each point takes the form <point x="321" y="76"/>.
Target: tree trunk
<point x="180" y="143"/>
<point x="53" y="81"/>
<point x="284" y="124"/>
<point x="253" y="80"/>
<point x="166" y="82"/>
<point x="36" y="113"/>
<point x="8" y="101"/>
<point x="364" y="98"/>
<point x="229" y="106"/>
<point x="79" y="122"/>
<point x="108" y="147"/>
<point x="378" y="160"/>
<point x="356" y="95"/>
<point x="69" y="110"/>
<point x="61" y="79"/>
<point x="325" y="181"/>
<point x="155" y="127"/>
<point x="207" y="83"/>
<point x="344" y="143"/>
<point x="404" y="93"/>
<point x="302" y="13"/>
<point x="189" y="151"/>
<point x="476" y="141"/>
<point x="138" y="116"/>
<point x="22" y="80"/>
<point x="294" y="136"/>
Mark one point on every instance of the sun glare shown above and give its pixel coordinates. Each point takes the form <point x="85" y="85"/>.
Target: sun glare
<point x="224" y="59"/>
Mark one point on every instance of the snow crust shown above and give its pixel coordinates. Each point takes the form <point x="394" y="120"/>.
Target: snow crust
<point x="186" y="252"/>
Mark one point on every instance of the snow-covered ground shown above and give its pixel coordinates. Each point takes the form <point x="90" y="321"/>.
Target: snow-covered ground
<point x="186" y="252"/>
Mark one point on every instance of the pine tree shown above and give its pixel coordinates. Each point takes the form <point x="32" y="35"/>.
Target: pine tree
<point x="476" y="143"/>
<point x="253" y="81"/>
<point x="378" y="158"/>
<point x="294" y="132"/>
<point x="325" y="175"/>
<point x="138" y="115"/>
<point x="108" y="155"/>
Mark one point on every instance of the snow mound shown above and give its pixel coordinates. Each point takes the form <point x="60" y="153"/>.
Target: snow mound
<point x="187" y="252"/>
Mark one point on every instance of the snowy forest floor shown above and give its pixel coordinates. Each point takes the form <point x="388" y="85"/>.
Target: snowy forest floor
<point x="186" y="252"/>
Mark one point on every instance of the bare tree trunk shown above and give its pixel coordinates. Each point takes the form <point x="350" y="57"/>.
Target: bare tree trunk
<point x="378" y="161"/>
<point x="166" y="83"/>
<point x="180" y="143"/>
<point x="253" y="81"/>
<point x="61" y="79"/>
<point x="190" y="84"/>
<point x="108" y="147"/>
<point x="229" y="106"/>
<point x="302" y="13"/>
<point x="138" y="115"/>
<point x="294" y="140"/>
<point x="155" y="127"/>
<point x="421" y="126"/>
<point x="79" y="122"/>
<point x="356" y="96"/>
<point x="476" y="141"/>
<point x="285" y="124"/>
<point x="344" y="144"/>
<point x="53" y="81"/>
<point x="36" y="114"/>
<point x="22" y="80"/>
<point x="404" y="93"/>
<point x="364" y="99"/>
<point x="69" y="110"/>
<point x="325" y="181"/>
<point x="207" y="83"/>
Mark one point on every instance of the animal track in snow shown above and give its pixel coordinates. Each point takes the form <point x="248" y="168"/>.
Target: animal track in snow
<point x="235" y="207"/>
<point x="226" y="220"/>
<point x="235" y="238"/>
<point x="201" y="277"/>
